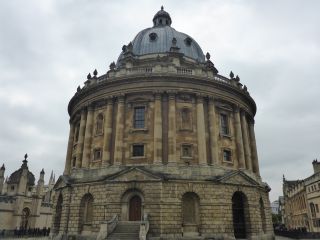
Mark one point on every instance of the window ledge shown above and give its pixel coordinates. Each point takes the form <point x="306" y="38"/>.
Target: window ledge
<point x="225" y="136"/>
<point x="138" y="157"/>
<point x="98" y="134"/>
<point x="133" y="130"/>
<point x="185" y="130"/>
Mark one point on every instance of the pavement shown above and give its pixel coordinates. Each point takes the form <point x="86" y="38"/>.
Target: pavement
<point x="286" y="238"/>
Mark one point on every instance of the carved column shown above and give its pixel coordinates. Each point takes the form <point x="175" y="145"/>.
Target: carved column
<point x="69" y="150"/>
<point x="213" y="131"/>
<point x="201" y="135"/>
<point x="239" y="139"/>
<point x="157" y="135"/>
<point x="247" y="151"/>
<point x="88" y="138"/>
<point x="107" y="133"/>
<point x="118" y="151"/>
<point x="172" y="129"/>
<point x="81" y="138"/>
<point x="254" y="153"/>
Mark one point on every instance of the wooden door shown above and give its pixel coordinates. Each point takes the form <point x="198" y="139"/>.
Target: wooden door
<point x="135" y="209"/>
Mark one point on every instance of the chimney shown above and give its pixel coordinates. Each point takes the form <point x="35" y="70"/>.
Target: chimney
<point x="316" y="166"/>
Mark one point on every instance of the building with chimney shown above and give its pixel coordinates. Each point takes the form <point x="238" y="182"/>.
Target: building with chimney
<point x="23" y="202"/>
<point x="301" y="201"/>
<point x="162" y="147"/>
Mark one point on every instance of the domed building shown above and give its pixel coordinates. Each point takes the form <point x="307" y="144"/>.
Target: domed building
<point x="162" y="147"/>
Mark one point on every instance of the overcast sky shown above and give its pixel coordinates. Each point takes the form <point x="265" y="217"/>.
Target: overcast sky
<point x="48" y="47"/>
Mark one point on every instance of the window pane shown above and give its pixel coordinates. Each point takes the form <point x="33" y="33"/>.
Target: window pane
<point x="138" y="150"/>
<point x="139" y="117"/>
<point x="227" y="155"/>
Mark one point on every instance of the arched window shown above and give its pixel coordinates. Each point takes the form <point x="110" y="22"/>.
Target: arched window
<point x="190" y="212"/>
<point x="57" y="217"/>
<point x="25" y="218"/>
<point x="86" y="210"/>
<point x="99" y="124"/>
<point x="262" y="216"/>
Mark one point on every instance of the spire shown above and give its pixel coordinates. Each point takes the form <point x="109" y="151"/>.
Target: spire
<point x="3" y="167"/>
<point x="25" y="162"/>
<point x="162" y="18"/>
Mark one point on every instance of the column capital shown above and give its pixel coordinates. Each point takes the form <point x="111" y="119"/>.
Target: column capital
<point x="211" y="99"/>
<point x="121" y="98"/>
<point x="236" y="108"/>
<point x="157" y="94"/>
<point x="91" y="107"/>
<point x="109" y="100"/>
<point x="172" y="94"/>
<point x="200" y="98"/>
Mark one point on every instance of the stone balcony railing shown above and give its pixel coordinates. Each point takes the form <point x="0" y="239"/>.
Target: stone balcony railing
<point x="117" y="74"/>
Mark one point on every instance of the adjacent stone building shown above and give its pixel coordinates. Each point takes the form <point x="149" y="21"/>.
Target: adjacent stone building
<point x="302" y="201"/>
<point x="24" y="204"/>
<point x="162" y="147"/>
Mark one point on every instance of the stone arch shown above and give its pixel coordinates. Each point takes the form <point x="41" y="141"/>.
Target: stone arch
<point x="25" y="218"/>
<point x="127" y="198"/>
<point x="190" y="208"/>
<point x="262" y="216"/>
<point x="99" y="123"/>
<point x="58" y="213"/>
<point x="240" y="215"/>
<point x="86" y="213"/>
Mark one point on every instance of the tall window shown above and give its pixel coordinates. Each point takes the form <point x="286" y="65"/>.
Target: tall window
<point x="227" y="155"/>
<point x="186" y="118"/>
<point x="77" y="132"/>
<point x="97" y="154"/>
<point x="186" y="151"/>
<point x="224" y="124"/>
<point x="139" y="117"/>
<point x="99" y="124"/>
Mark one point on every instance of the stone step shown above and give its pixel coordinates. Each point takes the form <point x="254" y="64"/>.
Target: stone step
<point x="126" y="231"/>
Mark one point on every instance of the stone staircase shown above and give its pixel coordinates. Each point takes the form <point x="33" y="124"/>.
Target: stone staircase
<point x="126" y="231"/>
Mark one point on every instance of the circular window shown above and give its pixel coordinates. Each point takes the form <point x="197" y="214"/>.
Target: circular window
<point x="153" y="36"/>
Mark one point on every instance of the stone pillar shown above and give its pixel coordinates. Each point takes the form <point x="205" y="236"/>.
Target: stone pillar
<point x="118" y="151"/>
<point x="172" y="156"/>
<point x="88" y="138"/>
<point x="81" y="139"/>
<point x="239" y="139"/>
<point x="201" y="132"/>
<point x="247" y="151"/>
<point x="68" y="163"/>
<point x="213" y="131"/>
<point x="157" y="134"/>
<point x="254" y="153"/>
<point x="107" y="133"/>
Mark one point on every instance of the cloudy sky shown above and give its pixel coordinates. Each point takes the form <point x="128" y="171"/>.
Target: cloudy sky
<point x="48" y="47"/>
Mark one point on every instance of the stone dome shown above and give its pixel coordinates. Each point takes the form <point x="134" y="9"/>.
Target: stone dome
<point x="161" y="38"/>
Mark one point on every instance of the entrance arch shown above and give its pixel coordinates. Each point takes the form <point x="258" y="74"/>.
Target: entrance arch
<point x="57" y="217"/>
<point x="240" y="214"/>
<point x="25" y="218"/>
<point x="132" y="205"/>
<point x="135" y="208"/>
<point x="190" y="212"/>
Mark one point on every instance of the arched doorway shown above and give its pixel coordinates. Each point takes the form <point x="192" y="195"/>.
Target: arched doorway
<point x="238" y="213"/>
<point x="57" y="217"/>
<point x="25" y="218"/>
<point x="135" y="208"/>
<point x="190" y="212"/>
<point x="263" y="216"/>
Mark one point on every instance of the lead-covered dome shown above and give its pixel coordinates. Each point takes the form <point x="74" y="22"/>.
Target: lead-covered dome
<point x="162" y="38"/>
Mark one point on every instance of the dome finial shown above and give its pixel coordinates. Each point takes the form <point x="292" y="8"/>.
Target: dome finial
<point x="162" y="8"/>
<point x="162" y="18"/>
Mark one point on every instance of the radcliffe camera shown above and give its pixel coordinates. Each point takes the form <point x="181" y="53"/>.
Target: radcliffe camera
<point x="163" y="140"/>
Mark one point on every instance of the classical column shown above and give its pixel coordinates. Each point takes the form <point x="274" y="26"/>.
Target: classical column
<point x="69" y="150"/>
<point x="118" y="151"/>
<point x="107" y="133"/>
<point x="157" y="134"/>
<point x="172" y="156"/>
<point x="254" y="153"/>
<point x="213" y="131"/>
<point x="239" y="139"/>
<point x="201" y="134"/>
<point x="81" y="139"/>
<point x="247" y="151"/>
<point x="88" y="138"/>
